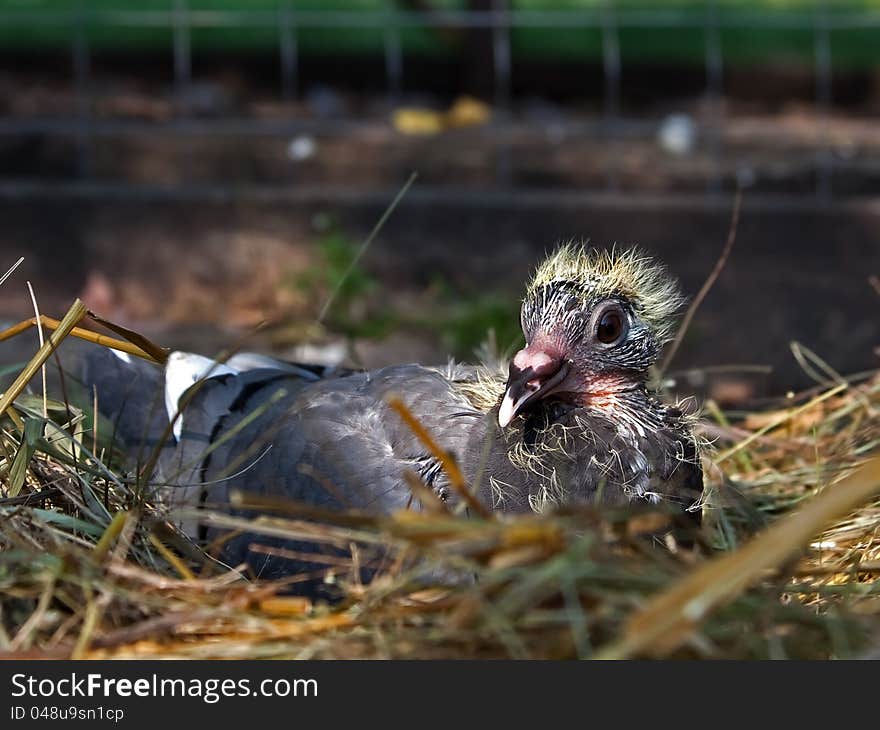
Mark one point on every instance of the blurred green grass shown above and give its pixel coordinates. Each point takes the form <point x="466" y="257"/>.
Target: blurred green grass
<point x="361" y="309"/>
<point x="680" y="39"/>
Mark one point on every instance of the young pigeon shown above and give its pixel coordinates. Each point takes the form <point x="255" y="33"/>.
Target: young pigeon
<point x="572" y="422"/>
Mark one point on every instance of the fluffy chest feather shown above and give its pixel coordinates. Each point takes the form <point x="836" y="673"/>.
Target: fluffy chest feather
<point x="610" y="453"/>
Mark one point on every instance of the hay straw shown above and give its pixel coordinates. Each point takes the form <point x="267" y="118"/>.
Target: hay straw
<point x="152" y="353"/>
<point x="662" y="625"/>
<point x="76" y="312"/>
<point x="90" y="569"/>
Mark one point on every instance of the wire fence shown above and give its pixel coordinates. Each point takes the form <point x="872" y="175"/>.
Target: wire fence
<point x="291" y="24"/>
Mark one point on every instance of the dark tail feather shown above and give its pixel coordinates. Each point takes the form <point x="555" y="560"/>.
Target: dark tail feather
<point x="130" y="394"/>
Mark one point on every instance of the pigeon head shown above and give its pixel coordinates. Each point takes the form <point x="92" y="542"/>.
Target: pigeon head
<point x="594" y="323"/>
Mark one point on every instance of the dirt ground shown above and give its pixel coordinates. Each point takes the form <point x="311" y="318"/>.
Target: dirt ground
<point x="200" y="275"/>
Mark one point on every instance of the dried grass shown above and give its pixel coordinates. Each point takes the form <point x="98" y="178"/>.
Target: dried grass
<point x="90" y="569"/>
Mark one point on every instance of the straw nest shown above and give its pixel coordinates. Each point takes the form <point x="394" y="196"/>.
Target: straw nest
<point x="786" y="565"/>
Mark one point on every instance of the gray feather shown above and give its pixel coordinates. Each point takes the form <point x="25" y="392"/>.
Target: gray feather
<point x="332" y="441"/>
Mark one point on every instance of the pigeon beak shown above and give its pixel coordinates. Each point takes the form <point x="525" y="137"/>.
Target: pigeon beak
<point x="534" y="374"/>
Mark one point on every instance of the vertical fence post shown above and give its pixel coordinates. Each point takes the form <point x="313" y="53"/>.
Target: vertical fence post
<point x="714" y="91"/>
<point x="501" y="78"/>
<point x="824" y="159"/>
<point x="80" y="58"/>
<point x="611" y="65"/>
<point x="393" y="53"/>
<point x="182" y="55"/>
<point x="288" y="52"/>
<point x="501" y="53"/>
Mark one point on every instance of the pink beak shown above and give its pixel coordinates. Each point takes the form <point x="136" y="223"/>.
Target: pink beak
<point x="535" y="372"/>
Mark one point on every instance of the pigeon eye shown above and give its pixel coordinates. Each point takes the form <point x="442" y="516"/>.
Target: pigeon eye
<point x="610" y="327"/>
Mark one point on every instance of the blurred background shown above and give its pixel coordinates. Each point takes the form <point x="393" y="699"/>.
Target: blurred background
<point x="195" y="167"/>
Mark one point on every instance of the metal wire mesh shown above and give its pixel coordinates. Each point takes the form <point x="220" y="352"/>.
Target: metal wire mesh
<point x="289" y="24"/>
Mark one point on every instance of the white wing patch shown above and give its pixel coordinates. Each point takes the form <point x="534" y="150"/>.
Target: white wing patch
<point x="182" y="371"/>
<point x="124" y="356"/>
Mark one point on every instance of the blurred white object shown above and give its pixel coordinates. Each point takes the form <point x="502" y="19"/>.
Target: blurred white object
<point x="185" y="369"/>
<point x="182" y="371"/>
<point x="302" y="148"/>
<point x="329" y="354"/>
<point x="677" y="134"/>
